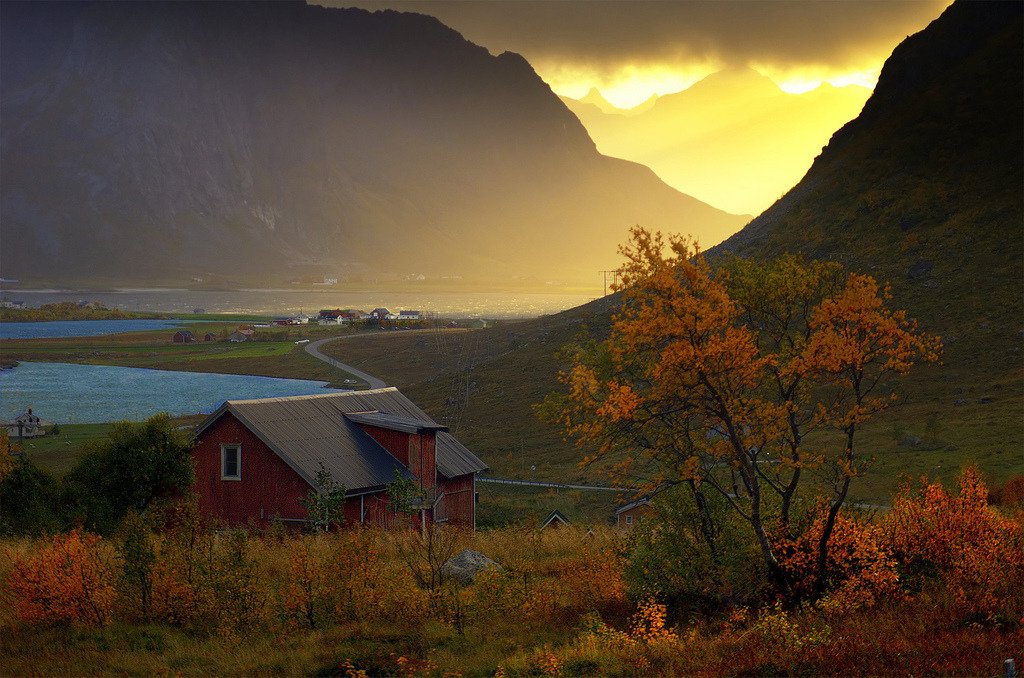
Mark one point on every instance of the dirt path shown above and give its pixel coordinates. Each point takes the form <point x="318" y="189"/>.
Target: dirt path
<point x="313" y="348"/>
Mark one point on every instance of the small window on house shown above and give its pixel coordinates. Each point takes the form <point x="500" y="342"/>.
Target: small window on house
<point x="629" y="520"/>
<point x="230" y="462"/>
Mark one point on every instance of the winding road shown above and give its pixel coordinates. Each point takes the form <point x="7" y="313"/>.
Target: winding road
<point x="313" y="349"/>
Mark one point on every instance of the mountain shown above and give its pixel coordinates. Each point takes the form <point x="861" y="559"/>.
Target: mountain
<point x="259" y="142"/>
<point x="733" y="139"/>
<point x="595" y="100"/>
<point x="922" y="189"/>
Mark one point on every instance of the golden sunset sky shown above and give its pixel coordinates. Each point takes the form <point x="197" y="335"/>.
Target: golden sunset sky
<point x="737" y="144"/>
<point x="630" y="50"/>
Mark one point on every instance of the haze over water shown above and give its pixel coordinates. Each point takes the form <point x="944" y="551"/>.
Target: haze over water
<point x="283" y="301"/>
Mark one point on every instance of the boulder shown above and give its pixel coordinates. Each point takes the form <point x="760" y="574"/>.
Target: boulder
<point x="464" y="566"/>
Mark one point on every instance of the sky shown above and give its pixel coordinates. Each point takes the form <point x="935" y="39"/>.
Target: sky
<point x="632" y="49"/>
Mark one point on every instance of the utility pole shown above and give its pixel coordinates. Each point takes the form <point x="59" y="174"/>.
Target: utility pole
<point x="615" y="279"/>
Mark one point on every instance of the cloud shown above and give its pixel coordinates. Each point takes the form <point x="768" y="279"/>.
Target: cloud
<point x="602" y="36"/>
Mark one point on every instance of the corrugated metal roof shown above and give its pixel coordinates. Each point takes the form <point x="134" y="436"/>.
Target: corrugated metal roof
<point x="307" y="431"/>
<point x="393" y="422"/>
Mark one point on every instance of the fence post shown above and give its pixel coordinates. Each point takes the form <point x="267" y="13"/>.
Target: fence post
<point x="1009" y="670"/>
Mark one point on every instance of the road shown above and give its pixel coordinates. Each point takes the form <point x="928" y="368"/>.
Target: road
<point x="313" y="349"/>
<point x="561" y="486"/>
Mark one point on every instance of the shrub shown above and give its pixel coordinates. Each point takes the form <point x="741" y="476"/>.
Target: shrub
<point x="969" y="546"/>
<point x="860" y="569"/>
<point x="669" y="560"/>
<point x="67" y="581"/>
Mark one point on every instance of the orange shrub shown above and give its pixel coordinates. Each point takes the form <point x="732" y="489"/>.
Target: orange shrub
<point x="369" y="583"/>
<point x="69" y="580"/>
<point x="860" y="568"/>
<point x="976" y="551"/>
<point x="305" y="590"/>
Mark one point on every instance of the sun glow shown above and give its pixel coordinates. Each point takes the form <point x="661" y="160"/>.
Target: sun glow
<point x="798" y="81"/>
<point x="632" y="84"/>
<point x="628" y="86"/>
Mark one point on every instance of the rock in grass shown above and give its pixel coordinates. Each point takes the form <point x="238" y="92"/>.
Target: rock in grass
<point x="464" y="566"/>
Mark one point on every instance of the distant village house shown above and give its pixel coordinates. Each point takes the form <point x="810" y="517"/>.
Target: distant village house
<point x="26" y="425"/>
<point x="183" y="337"/>
<point x="256" y="460"/>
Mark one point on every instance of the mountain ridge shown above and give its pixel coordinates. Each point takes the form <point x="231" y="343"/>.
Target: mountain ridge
<point x="252" y="142"/>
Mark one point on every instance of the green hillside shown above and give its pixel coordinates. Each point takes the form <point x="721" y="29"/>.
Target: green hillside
<point x="922" y="190"/>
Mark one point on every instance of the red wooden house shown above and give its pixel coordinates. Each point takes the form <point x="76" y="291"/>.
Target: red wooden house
<point x="256" y="459"/>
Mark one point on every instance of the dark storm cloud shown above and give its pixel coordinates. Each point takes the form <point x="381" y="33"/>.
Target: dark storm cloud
<point x="605" y="34"/>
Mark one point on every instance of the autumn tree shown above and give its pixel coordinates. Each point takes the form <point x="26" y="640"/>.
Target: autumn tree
<point x="714" y="379"/>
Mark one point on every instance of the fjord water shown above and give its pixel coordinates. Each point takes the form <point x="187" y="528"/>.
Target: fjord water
<point x="53" y="329"/>
<point x="80" y="394"/>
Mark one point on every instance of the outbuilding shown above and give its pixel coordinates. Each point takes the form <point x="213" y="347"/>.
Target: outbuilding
<point x="256" y="460"/>
<point x="629" y="514"/>
<point x="183" y="337"/>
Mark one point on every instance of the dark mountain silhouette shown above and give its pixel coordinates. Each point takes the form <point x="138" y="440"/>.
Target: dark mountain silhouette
<point x="262" y="141"/>
<point x="926" y="187"/>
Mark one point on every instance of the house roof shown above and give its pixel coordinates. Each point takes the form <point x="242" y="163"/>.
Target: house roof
<point x="642" y="501"/>
<point x="394" y="422"/>
<point x="554" y="517"/>
<point x="307" y="431"/>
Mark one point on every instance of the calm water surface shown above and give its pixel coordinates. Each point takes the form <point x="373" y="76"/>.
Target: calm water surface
<point x="79" y="394"/>
<point x="79" y="328"/>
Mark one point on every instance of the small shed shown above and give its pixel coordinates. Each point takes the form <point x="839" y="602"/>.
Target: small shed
<point x="183" y="337"/>
<point x="210" y="336"/>
<point x="239" y="335"/>
<point x="629" y="514"/>
<point x="554" y="520"/>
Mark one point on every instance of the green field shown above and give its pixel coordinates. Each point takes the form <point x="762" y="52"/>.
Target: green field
<point x="275" y="355"/>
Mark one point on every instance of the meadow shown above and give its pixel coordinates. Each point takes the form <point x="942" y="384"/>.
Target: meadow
<point x="166" y="594"/>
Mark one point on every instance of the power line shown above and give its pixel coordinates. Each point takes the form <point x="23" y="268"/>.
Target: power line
<point x="615" y="279"/>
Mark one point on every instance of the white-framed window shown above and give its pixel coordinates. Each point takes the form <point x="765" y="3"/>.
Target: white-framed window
<point x="231" y="462"/>
<point x="629" y="520"/>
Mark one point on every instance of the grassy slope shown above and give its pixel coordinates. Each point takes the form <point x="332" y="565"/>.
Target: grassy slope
<point x="483" y="384"/>
<point x="922" y="190"/>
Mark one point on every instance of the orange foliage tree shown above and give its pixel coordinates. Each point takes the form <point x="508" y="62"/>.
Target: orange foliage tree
<point x="718" y="376"/>
<point x="70" y="580"/>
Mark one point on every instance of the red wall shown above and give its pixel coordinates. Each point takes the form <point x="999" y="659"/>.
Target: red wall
<point x="268" y="486"/>
<point x="415" y="451"/>
<point x="395" y="442"/>
<point x="458" y="502"/>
